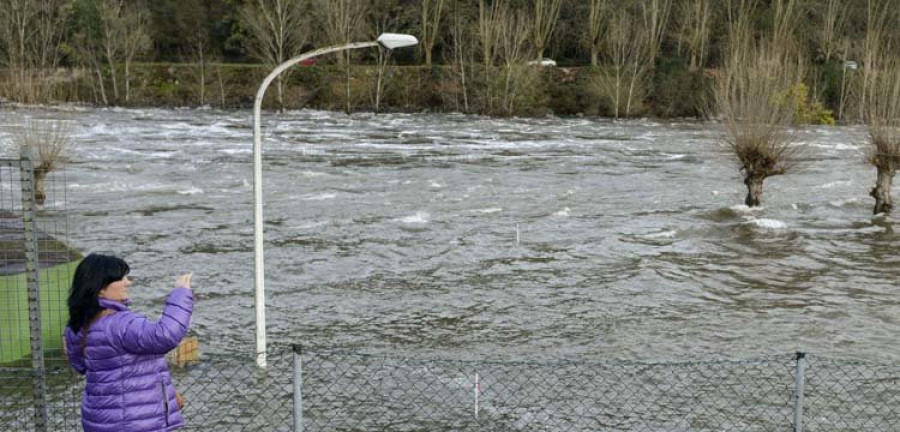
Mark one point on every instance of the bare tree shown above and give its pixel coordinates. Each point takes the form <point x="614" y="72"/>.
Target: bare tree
<point x="112" y="37"/>
<point x="751" y="94"/>
<point x="17" y="19"/>
<point x="598" y="20"/>
<point x="31" y="32"/>
<point x="631" y="44"/>
<point x="381" y="21"/>
<point x="89" y="54"/>
<point x="546" y="14"/>
<point x="489" y="18"/>
<point x="135" y="21"/>
<point x="695" y="29"/>
<point x="432" y="12"/>
<point x="829" y="32"/>
<point x="277" y="31"/>
<point x="515" y="29"/>
<point x="199" y="53"/>
<point x="45" y="141"/>
<point x="50" y="32"/>
<point x="342" y="21"/>
<point x="785" y="14"/>
<point x="626" y="64"/>
<point x="847" y="80"/>
<point x="879" y="14"/>
<point x="462" y="55"/>
<point x="656" y="21"/>
<point x="883" y="122"/>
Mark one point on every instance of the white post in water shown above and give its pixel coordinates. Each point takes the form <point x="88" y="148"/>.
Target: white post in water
<point x="386" y="40"/>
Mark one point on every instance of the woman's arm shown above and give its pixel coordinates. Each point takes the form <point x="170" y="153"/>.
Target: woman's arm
<point x="138" y="335"/>
<point x="72" y="345"/>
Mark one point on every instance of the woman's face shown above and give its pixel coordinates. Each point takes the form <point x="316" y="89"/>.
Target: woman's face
<point x="116" y="291"/>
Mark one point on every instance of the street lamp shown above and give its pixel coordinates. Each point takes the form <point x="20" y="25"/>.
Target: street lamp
<point x="386" y="40"/>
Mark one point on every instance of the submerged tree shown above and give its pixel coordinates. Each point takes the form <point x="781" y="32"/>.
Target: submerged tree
<point x="883" y="122"/>
<point x="753" y="95"/>
<point x="45" y="142"/>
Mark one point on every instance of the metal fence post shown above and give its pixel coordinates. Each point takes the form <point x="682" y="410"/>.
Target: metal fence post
<point x="298" y="385"/>
<point x="29" y="222"/>
<point x="798" y="392"/>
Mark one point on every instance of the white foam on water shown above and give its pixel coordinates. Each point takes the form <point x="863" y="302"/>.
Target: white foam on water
<point x="235" y="151"/>
<point x="435" y="184"/>
<point x="769" y="224"/>
<point x="564" y="212"/>
<point x="842" y="203"/>
<point x="320" y="197"/>
<point x="835" y="146"/>
<point x="744" y="209"/>
<point x="835" y="184"/>
<point x="661" y="234"/>
<point x="191" y="191"/>
<point x="488" y="210"/>
<point x="418" y="218"/>
<point x="117" y="186"/>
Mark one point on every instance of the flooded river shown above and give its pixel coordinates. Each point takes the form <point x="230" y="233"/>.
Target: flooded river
<point x="472" y="236"/>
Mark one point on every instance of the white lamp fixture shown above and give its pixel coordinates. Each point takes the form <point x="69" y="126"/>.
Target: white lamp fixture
<point x="396" y="40"/>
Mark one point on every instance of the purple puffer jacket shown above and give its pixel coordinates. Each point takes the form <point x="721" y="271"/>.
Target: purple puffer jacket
<point x="129" y="388"/>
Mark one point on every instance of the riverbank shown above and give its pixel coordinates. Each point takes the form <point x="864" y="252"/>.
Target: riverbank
<point x="672" y="91"/>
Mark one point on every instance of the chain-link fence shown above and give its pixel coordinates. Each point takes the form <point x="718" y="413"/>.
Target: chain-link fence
<point x="350" y="391"/>
<point x="334" y="390"/>
<point x="35" y="272"/>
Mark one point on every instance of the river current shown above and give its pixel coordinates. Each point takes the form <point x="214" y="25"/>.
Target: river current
<point x="469" y="236"/>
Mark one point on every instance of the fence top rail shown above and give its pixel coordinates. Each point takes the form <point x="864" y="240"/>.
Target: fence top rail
<point x="559" y="362"/>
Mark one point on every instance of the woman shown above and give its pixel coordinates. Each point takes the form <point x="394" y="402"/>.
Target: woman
<point x="121" y="353"/>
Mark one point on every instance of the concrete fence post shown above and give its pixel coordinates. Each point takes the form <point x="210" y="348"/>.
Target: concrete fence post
<point x="799" y="381"/>
<point x="29" y="223"/>
<point x="298" y="387"/>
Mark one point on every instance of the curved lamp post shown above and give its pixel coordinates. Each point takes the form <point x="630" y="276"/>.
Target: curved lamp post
<point x="386" y="40"/>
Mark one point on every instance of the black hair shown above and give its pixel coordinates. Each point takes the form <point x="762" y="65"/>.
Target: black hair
<point x="93" y="274"/>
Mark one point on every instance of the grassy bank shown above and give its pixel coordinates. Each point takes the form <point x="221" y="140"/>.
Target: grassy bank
<point x="14" y="330"/>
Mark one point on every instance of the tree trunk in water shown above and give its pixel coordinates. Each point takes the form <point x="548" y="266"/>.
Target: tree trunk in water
<point x="39" y="195"/>
<point x="754" y="190"/>
<point x="882" y="191"/>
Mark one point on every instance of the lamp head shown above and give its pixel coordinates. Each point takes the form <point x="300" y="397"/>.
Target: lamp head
<point x="396" y="40"/>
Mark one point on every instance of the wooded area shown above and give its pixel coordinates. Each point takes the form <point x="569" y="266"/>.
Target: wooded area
<point x="636" y="53"/>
